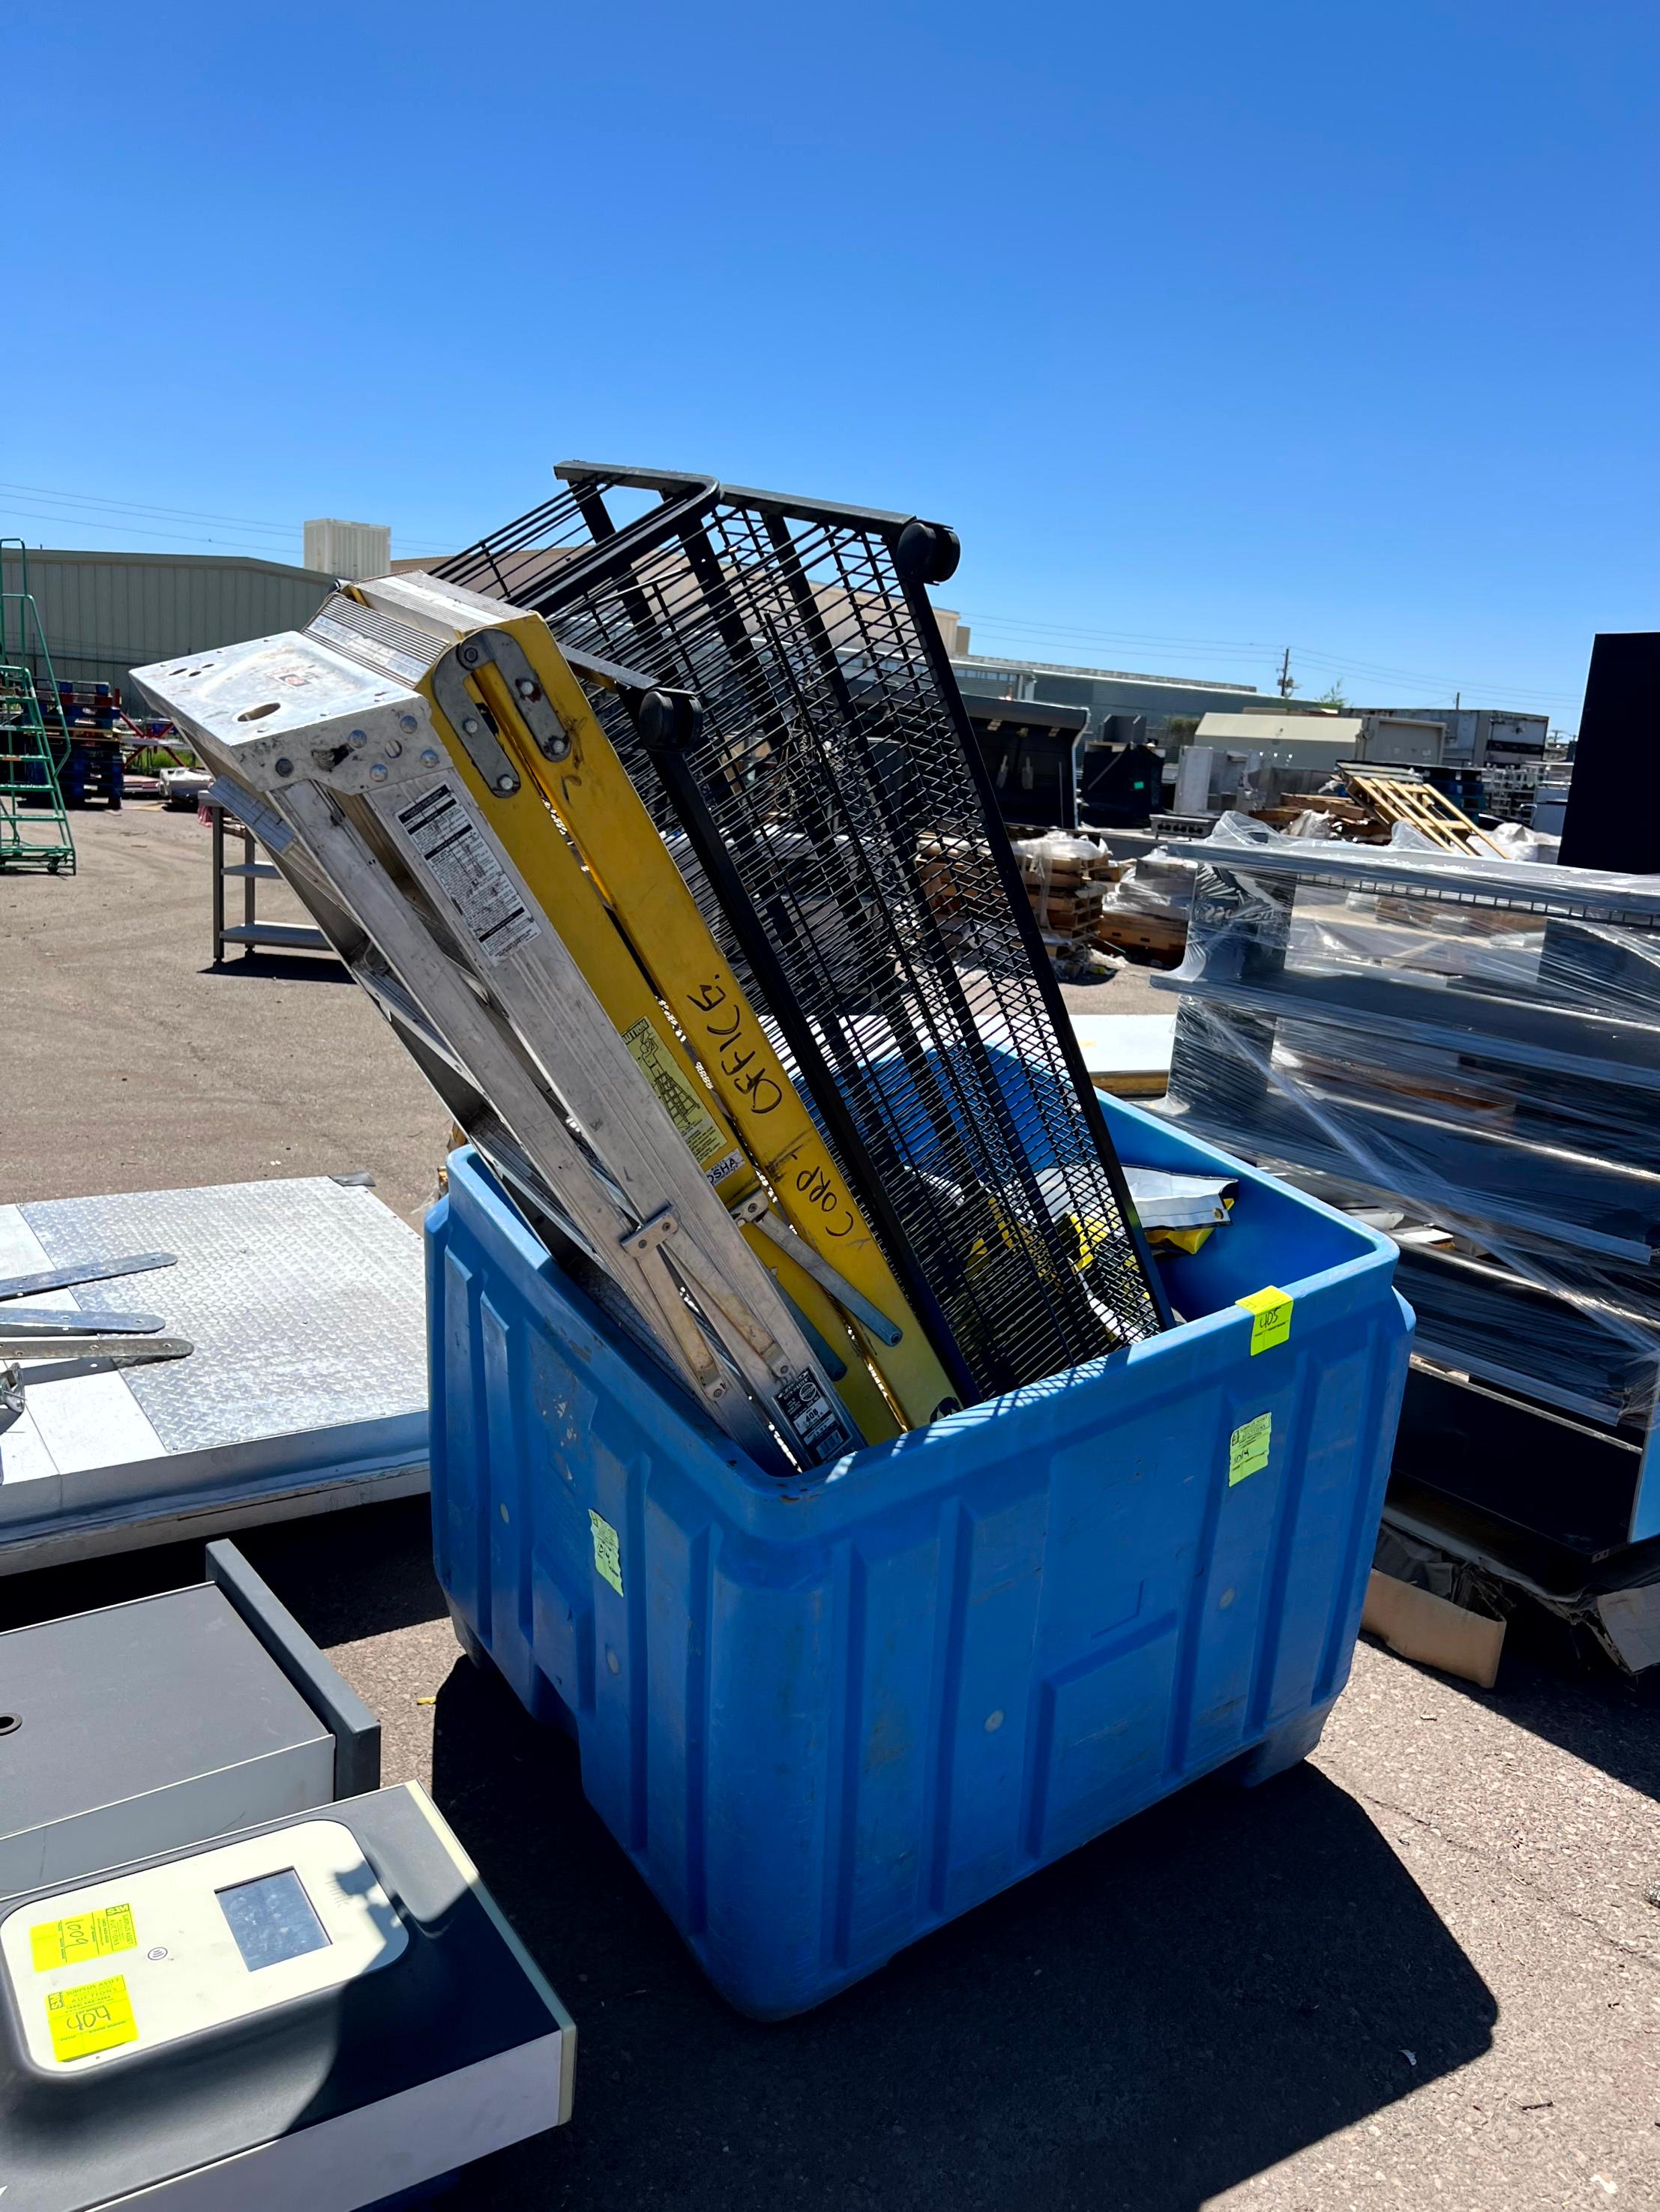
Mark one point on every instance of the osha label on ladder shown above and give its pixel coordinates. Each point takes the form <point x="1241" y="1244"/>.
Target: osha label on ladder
<point x="451" y="840"/>
<point x="679" y="1101"/>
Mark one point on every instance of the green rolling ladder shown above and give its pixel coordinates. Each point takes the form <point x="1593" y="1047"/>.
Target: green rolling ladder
<point x="34" y="826"/>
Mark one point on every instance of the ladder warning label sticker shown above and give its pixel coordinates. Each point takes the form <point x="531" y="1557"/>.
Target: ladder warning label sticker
<point x="1247" y="1448"/>
<point x="1270" y="1311"/>
<point x="807" y="1407"/>
<point x="450" y="839"/>
<point x="96" y="2016"/>
<point x="84" y="1936"/>
<point x="607" y="1550"/>
<point x="679" y="1100"/>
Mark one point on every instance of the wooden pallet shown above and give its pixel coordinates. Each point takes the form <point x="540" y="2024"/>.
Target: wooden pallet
<point x="1404" y="799"/>
<point x="1149" y="936"/>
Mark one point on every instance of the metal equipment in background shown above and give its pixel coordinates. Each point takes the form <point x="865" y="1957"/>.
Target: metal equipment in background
<point x="809" y="736"/>
<point x="1029" y="752"/>
<point x="1467" y="1052"/>
<point x="253" y="932"/>
<point x="35" y="829"/>
<point x="1119" y="785"/>
<point x="236" y="1971"/>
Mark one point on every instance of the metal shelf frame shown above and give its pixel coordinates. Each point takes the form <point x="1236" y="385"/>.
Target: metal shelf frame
<point x="251" y="933"/>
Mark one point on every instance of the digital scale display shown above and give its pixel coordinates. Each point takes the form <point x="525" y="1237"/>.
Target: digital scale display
<point x="271" y="1919"/>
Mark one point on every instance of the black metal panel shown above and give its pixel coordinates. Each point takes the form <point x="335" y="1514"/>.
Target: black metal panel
<point x="1028" y="753"/>
<point x="1119" y="786"/>
<point x="1552" y="1477"/>
<point x="1611" y="822"/>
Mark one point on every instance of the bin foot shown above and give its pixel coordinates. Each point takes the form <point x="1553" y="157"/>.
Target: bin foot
<point x="1288" y="1745"/>
<point x="470" y="1644"/>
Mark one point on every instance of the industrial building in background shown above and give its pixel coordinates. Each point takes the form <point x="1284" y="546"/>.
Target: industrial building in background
<point x="105" y="614"/>
<point x="1051" y="735"/>
<point x="102" y="615"/>
<point x="1109" y="696"/>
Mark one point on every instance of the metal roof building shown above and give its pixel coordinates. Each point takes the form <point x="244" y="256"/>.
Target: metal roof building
<point x="1103" y="691"/>
<point x="105" y="614"/>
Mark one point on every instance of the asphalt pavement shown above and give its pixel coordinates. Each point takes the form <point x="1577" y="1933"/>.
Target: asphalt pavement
<point x="1421" y="1970"/>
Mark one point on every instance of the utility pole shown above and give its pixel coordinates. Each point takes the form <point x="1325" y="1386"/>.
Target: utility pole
<point x="1286" y="686"/>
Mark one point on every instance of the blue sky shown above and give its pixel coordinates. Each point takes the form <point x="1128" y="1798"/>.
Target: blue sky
<point x="1211" y="328"/>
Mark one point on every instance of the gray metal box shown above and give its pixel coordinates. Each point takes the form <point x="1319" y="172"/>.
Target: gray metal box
<point x="144" y="1727"/>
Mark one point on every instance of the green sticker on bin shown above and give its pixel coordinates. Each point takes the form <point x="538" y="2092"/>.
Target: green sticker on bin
<point x="1247" y="1448"/>
<point x="1270" y="1313"/>
<point x="607" y="1550"/>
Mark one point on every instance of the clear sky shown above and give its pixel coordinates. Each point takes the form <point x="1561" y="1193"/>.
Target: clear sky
<point x="1212" y="328"/>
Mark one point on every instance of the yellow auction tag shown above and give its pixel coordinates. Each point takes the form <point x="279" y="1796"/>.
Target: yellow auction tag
<point x="1270" y="1312"/>
<point x="84" y="1936"/>
<point x="607" y="1550"/>
<point x="97" y="2016"/>
<point x="1247" y="1448"/>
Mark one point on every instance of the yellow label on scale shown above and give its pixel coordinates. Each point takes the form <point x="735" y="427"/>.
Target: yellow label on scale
<point x="96" y="2016"/>
<point x="84" y="1936"/>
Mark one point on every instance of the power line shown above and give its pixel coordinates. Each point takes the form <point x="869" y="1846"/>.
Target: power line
<point x="1333" y="664"/>
<point x="138" y="512"/>
<point x="132" y="517"/>
<point x="134" y="506"/>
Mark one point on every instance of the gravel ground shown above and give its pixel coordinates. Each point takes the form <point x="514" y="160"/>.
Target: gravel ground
<point x="1422" y="1970"/>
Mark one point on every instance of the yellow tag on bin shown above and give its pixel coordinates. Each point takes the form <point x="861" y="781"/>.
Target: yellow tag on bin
<point x="607" y="1550"/>
<point x="1247" y="1448"/>
<point x="1270" y="1311"/>
<point x="96" y="2016"/>
<point x="86" y="1936"/>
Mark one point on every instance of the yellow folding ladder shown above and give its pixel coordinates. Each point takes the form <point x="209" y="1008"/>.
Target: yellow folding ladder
<point x="527" y="739"/>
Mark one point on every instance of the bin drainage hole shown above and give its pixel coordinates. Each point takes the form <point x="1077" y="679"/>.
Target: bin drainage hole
<point x="1226" y="1599"/>
<point x="10" y="1722"/>
<point x="258" y="713"/>
<point x="613" y="1661"/>
<point x="994" y="1721"/>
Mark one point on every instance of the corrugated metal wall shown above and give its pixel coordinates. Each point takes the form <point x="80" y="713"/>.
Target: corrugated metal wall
<point x="105" y="614"/>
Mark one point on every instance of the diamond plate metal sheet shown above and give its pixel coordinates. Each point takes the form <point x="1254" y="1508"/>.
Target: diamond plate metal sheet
<point x="305" y="1301"/>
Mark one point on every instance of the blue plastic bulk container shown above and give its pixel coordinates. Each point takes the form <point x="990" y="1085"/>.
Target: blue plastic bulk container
<point x="823" y="1717"/>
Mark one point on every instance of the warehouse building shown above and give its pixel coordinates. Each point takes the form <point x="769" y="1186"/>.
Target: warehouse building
<point x="105" y="614"/>
<point x="1107" y="694"/>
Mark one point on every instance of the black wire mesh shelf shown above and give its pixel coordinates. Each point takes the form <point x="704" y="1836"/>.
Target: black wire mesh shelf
<point x="810" y="763"/>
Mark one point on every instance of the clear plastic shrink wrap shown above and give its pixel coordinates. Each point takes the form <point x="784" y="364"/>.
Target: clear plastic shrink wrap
<point x="1468" y="1052"/>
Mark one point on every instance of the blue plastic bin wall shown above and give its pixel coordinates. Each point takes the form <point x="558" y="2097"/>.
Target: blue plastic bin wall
<point x="823" y="1718"/>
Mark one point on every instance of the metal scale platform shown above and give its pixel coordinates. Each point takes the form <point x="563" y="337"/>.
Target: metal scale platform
<point x="306" y="1389"/>
<point x="233" y="1970"/>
